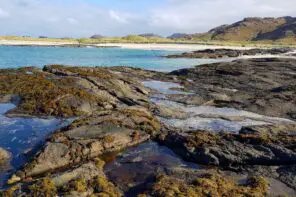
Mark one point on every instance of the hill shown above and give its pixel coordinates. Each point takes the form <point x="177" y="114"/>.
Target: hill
<point x="251" y="29"/>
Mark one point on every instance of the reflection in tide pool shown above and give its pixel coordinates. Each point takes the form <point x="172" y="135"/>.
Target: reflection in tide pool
<point x="20" y="135"/>
<point x="136" y="167"/>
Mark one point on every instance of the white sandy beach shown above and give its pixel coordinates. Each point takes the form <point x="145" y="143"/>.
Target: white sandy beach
<point x="33" y="43"/>
<point x="154" y="46"/>
<point x="174" y="47"/>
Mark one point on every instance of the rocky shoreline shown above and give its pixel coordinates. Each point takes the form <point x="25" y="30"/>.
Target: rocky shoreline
<point x="195" y="112"/>
<point x="230" y="53"/>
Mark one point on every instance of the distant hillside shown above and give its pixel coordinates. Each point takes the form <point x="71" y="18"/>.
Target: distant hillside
<point x="177" y="35"/>
<point x="251" y="29"/>
<point x="150" y="35"/>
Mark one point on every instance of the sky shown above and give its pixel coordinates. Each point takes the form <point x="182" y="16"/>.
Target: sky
<point x="83" y="18"/>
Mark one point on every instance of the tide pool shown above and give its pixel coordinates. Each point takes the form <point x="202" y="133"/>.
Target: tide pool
<point x="19" y="136"/>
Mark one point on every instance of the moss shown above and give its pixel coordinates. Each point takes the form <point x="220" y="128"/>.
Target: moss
<point x="99" y="163"/>
<point x="108" y="139"/>
<point x="45" y="188"/>
<point x="201" y="138"/>
<point x="209" y="185"/>
<point x="80" y="185"/>
<point x="150" y="125"/>
<point x="10" y="192"/>
<point x="105" y="188"/>
<point x="43" y="93"/>
<point x="101" y="73"/>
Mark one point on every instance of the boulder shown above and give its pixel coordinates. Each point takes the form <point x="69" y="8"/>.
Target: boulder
<point x="4" y="155"/>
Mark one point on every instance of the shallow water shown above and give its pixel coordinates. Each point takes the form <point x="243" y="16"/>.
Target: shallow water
<point x="16" y="56"/>
<point x="134" y="168"/>
<point x="164" y="87"/>
<point x="20" y="135"/>
<point x="206" y="117"/>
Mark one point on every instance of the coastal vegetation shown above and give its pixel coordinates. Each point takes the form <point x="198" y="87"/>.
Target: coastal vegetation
<point x="135" y="39"/>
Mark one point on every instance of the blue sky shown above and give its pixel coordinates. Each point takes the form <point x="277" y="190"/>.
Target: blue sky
<point x="83" y="18"/>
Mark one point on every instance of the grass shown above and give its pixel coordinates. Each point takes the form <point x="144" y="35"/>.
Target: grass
<point x="135" y="39"/>
<point x="45" y="188"/>
<point x="21" y="38"/>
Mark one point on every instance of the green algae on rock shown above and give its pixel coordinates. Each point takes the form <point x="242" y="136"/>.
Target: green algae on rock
<point x="208" y="185"/>
<point x="68" y="91"/>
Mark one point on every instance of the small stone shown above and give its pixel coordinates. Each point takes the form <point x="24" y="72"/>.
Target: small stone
<point x="13" y="179"/>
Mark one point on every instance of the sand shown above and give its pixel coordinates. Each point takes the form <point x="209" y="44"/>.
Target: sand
<point x="174" y="47"/>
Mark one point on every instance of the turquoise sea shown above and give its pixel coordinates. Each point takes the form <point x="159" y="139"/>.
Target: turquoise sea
<point x="19" y="56"/>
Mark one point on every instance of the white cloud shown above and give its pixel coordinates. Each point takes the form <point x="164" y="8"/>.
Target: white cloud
<point x="201" y="15"/>
<point x="117" y="17"/>
<point x="60" y="18"/>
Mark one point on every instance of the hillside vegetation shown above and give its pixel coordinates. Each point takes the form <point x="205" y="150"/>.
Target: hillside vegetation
<point x="281" y="29"/>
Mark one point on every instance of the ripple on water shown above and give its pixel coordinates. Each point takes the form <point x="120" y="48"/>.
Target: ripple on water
<point x="20" y="135"/>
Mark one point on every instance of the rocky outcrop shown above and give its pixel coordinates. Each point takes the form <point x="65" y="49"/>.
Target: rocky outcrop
<point x="207" y="185"/>
<point x="227" y="53"/>
<point x="69" y="91"/>
<point x="256" y="145"/>
<point x="92" y="136"/>
<point x="113" y="111"/>
<point x="244" y="84"/>
<point x="4" y="156"/>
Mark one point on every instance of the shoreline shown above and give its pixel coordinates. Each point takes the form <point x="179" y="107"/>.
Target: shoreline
<point x="148" y="46"/>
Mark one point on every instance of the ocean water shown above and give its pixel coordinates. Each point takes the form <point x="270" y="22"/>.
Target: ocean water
<point x="20" y="56"/>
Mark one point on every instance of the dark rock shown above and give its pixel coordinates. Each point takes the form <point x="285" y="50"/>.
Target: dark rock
<point x="92" y="136"/>
<point x="225" y="53"/>
<point x="246" y="84"/>
<point x="258" y="145"/>
<point x="177" y="35"/>
<point x="97" y="36"/>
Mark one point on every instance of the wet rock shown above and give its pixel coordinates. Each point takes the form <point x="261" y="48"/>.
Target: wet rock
<point x="4" y="155"/>
<point x="169" y="112"/>
<point x="230" y="150"/>
<point x="69" y="91"/>
<point x="245" y="84"/>
<point x="207" y="185"/>
<point x="287" y="174"/>
<point x="13" y="179"/>
<point x="86" y="171"/>
<point x="225" y="53"/>
<point x="92" y="136"/>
